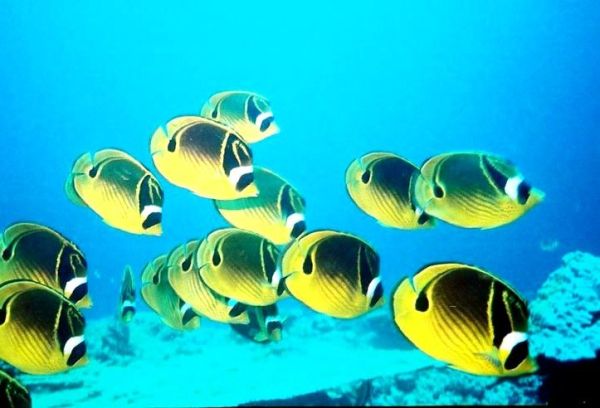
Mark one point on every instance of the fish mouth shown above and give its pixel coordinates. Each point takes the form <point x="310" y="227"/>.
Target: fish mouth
<point x="375" y="292"/>
<point x="187" y="313"/>
<point x="241" y="177"/>
<point x="75" y="350"/>
<point x="295" y="222"/>
<point x="152" y="216"/>
<point x="76" y="289"/>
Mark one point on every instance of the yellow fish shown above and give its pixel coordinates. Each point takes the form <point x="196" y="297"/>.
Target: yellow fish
<point x="473" y="190"/>
<point x="160" y="297"/>
<point x="264" y="326"/>
<point x="333" y="273"/>
<point x="38" y="253"/>
<point x="205" y="157"/>
<point x="248" y="113"/>
<point x="127" y="296"/>
<point x="277" y="213"/>
<point x="119" y="189"/>
<point x="379" y="184"/>
<point x="184" y="277"/>
<point x="41" y="332"/>
<point x="466" y="317"/>
<point x="239" y="265"/>
<point x="12" y="393"/>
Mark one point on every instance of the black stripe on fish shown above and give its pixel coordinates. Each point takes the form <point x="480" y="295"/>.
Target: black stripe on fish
<point x="63" y="330"/>
<point x="237" y="309"/>
<point x="499" y="318"/>
<point x="285" y="201"/>
<point x="269" y="260"/>
<point x="517" y="355"/>
<point x="364" y="269"/>
<point x="497" y="177"/>
<point x="252" y="110"/>
<point x="65" y="268"/>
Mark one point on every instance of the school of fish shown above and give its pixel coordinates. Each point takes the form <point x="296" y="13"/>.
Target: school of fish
<point x="457" y="313"/>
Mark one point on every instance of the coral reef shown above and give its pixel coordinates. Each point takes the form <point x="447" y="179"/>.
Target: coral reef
<point x="565" y="315"/>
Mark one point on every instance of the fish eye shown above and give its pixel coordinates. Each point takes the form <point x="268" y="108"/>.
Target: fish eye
<point x="93" y="172"/>
<point x="6" y="254"/>
<point x="366" y="176"/>
<point x="172" y="145"/>
<point x="307" y="266"/>
<point x="187" y="264"/>
<point x="216" y="258"/>
<point x="438" y="192"/>
<point x="156" y="279"/>
<point x="215" y="113"/>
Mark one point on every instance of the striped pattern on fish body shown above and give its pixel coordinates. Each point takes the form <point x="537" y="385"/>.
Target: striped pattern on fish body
<point x="380" y="185"/>
<point x="205" y="157"/>
<point x="239" y="265"/>
<point x="277" y="213"/>
<point x="12" y="393"/>
<point x="185" y="278"/>
<point x="248" y="113"/>
<point x="127" y="296"/>
<point x="161" y="297"/>
<point x="38" y="253"/>
<point x="119" y="189"/>
<point x="41" y="332"/>
<point x="333" y="273"/>
<point x="465" y="317"/>
<point x="473" y="190"/>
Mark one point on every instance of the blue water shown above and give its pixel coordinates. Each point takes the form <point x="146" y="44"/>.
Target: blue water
<point x="519" y="79"/>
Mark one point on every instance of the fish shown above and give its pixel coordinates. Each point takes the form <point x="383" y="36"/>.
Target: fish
<point x="248" y="113"/>
<point x="158" y="294"/>
<point x="12" y="393"/>
<point x="41" y="331"/>
<point x="119" y="189"/>
<point x="204" y="157"/>
<point x="38" y="253"/>
<point x="127" y="296"/>
<point x="185" y="278"/>
<point x="277" y="213"/>
<point x="473" y="190"/>
<point x="265" y="325"/>
<point x="239" y="265"/>
<point x="380" y="185"/>
<point x="331" y="272"/>
<point x="466" y="317"/>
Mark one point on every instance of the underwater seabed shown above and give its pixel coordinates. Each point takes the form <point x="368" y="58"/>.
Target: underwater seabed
<point x="322" y="360"/>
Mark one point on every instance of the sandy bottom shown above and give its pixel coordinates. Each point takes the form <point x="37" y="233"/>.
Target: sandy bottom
<point x="214" y="366"/>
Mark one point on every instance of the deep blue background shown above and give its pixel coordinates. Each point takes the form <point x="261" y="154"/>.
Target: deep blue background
<point x="520" y="79"/>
